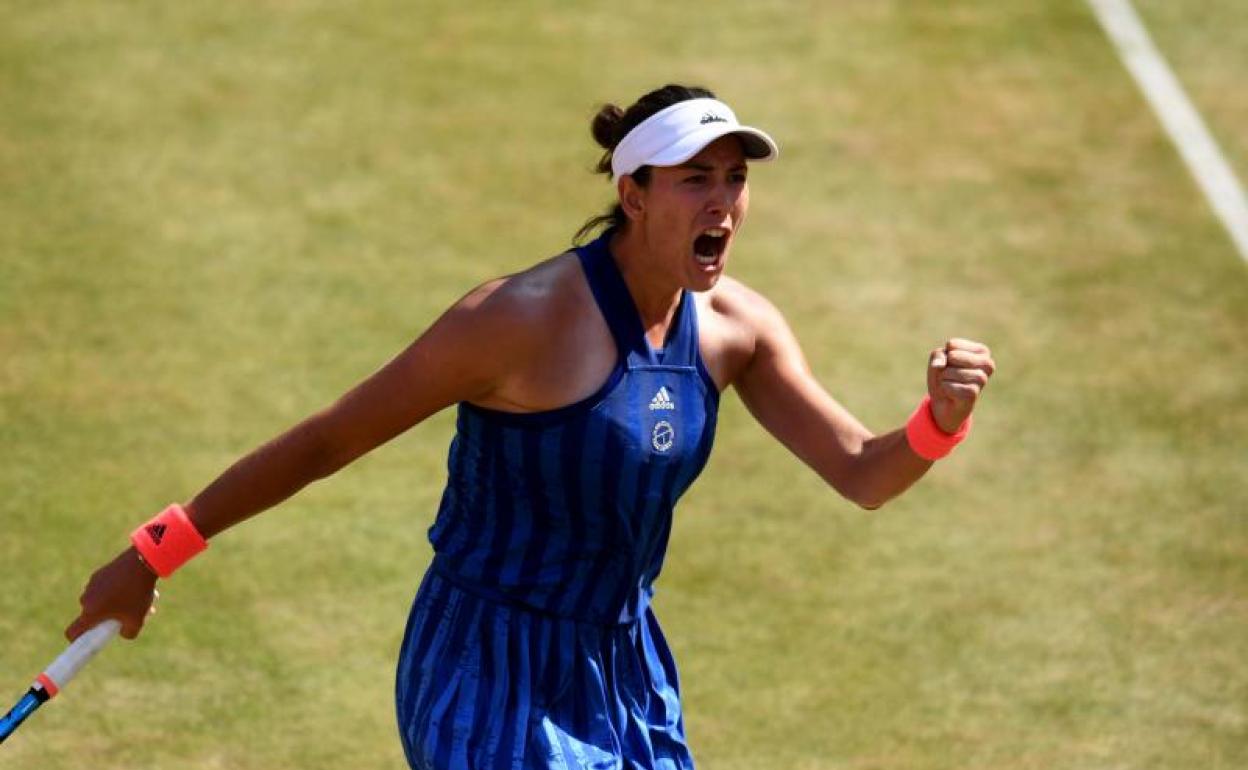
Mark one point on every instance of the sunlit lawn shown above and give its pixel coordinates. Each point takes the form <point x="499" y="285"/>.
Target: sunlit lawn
<point x="214" y="219"/>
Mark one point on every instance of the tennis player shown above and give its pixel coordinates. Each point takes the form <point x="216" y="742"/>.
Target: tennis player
<point x="587" y="389"/>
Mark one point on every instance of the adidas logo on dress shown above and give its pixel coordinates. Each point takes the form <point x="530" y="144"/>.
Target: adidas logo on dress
<point x="662" y="401"/>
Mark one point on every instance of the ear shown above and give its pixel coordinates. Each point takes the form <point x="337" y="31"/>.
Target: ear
<point x="632" y="197"/>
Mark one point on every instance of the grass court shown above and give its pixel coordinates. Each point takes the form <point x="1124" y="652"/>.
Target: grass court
<point x="215" y="218"/>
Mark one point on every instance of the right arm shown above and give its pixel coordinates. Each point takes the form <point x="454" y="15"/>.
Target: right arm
<point x="459" y="358"/>
<point x="465" y="355"/>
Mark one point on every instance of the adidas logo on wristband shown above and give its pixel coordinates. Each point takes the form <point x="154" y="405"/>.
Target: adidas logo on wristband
<point x="156" y="532"/>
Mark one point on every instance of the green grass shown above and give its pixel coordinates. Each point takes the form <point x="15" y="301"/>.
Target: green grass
<point x="215" y="219"/>
<point x="1207" y="43"/>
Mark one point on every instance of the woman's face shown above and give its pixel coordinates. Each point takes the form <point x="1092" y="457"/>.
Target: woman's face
<point x="690" y="214"/>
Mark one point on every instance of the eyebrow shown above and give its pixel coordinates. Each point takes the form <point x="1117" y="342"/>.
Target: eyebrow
<point x="704" y="167"/>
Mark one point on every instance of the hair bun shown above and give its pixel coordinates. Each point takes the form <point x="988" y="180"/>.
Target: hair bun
<point x="606" y="126"/>
<point x="609" y="128"/>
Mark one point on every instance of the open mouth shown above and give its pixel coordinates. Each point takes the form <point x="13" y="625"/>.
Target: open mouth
<point x="709" y="246"/>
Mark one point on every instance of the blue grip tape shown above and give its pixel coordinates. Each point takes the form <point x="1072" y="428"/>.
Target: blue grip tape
<point x="24" y="708"/>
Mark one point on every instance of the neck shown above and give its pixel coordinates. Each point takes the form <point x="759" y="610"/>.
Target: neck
<point x="655" y="293"/>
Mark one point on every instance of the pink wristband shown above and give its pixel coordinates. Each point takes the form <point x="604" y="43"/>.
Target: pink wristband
<point x="926" y="437"/>
<point x="168" y="541"/>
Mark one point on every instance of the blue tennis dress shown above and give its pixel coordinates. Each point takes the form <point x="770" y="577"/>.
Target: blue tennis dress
<point x="531" y="642"/>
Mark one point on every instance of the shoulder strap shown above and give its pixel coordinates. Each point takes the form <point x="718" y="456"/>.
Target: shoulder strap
<point x="682" y="343"/>
<point x="611" y="294"/>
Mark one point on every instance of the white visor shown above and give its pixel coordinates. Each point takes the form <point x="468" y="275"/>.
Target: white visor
<point x="675" y="134"/>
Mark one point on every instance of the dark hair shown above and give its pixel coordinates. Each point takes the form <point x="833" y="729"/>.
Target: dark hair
<point x="611" y="125"/>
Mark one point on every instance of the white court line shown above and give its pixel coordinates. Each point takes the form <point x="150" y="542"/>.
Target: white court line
<point x="1181" y="120"/>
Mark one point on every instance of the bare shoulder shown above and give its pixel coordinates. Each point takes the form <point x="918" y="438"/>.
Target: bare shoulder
<point x="492" y="338"/>
<point x="741" y="304"/>
<point x="540" y="327"/>
<point x="546" y="288"/>
<point x="526" y="307"/>
<point x="735" y="322"/>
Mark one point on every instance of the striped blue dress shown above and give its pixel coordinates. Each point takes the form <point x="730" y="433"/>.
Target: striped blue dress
<point x="531" y="642"/>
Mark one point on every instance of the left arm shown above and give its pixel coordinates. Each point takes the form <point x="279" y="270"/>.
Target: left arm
<point x="779" y="389"/>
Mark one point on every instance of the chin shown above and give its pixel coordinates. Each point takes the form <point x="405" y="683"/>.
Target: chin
<point x="705" y="280"/>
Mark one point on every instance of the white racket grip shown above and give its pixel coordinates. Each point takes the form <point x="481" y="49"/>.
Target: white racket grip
<point x="80" y="652"/>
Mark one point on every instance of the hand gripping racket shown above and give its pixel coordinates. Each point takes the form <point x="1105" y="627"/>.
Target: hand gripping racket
<point x="56" y="676"/>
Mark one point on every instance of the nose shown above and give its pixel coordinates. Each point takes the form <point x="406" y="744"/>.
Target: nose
<point x="722" y="199"/>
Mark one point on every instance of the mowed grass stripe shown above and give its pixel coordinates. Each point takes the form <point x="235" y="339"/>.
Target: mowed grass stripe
<point x="227" y="215"/>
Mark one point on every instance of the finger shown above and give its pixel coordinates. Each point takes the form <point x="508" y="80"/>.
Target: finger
<point x="955" y="374"/>
<point x="131" y="628"/>
<point x="960" y="391"/>
<point x="76" y="629"/>
<point x="968" y="360"/>
<point x="961" y="343"/>
<point x="935" y="365"/>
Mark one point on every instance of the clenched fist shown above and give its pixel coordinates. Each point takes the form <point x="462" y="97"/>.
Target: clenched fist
<point x="956" y="375"/>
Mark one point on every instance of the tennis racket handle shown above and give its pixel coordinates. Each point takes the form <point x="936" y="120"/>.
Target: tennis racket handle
<point x="78" y="654"/>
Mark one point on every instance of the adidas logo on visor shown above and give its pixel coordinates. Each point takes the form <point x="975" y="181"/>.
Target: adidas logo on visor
<point x="662" y="401"/>
<point x="675" y="134"/>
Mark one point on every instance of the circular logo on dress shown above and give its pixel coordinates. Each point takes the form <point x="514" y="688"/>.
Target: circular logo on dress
<point x="663" y="435"/>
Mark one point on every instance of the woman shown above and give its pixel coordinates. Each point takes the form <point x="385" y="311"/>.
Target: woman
<point x="588" y="388"/>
